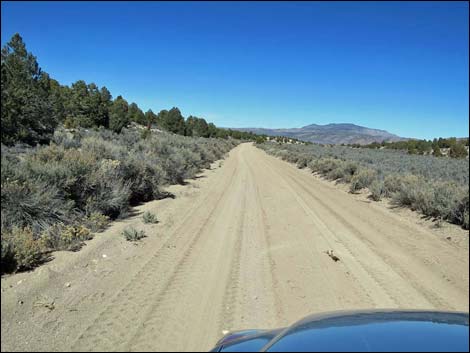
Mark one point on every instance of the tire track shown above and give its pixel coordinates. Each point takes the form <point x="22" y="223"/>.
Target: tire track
<point x="231" y="293"/>
<point x="414" y="289"/>
<point x="280" y="316"/>
<point x="114" y="326"/>
<point x="167" y="318"/>
<point x="374" y="289"/>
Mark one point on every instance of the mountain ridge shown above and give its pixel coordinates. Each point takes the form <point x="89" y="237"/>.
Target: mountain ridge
<point x="333" y="133"/>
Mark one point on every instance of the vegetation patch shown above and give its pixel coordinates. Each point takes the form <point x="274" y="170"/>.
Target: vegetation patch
<point x="132" y="234"/>
<point x="149" y="217"/>
<point x="436" y="187"/>
<point x="21" y="249"/>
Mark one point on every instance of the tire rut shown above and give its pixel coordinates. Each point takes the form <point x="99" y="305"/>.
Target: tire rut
<point x="367" y="280"/>
<point x="116" y="324"/>
<point x="280" y="316"/>
<point x="391" y="271"/>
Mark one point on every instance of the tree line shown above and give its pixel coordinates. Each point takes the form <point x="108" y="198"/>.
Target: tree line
<point x="457" y="147"/>
<point x="34" y="104"/>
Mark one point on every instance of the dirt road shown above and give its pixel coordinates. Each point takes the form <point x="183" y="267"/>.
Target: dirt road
<point x="243" y="246"/>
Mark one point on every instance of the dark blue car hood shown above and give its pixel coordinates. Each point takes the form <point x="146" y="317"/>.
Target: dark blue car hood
<point x="369" y="331"/>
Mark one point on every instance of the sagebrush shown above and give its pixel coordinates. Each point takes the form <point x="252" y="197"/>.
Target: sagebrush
<point x="85" y="178"/>
<point x="149" y="217"/>
<point x="436" y="187"/>
<point x="132" y="234"/>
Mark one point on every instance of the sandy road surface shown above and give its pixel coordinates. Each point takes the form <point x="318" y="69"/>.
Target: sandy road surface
<point x="243" y="246"/>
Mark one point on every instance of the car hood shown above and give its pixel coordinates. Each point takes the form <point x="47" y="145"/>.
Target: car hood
<point x="373" y="330"/>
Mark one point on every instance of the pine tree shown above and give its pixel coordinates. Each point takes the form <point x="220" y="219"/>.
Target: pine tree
<point x="150" y="118"/>
<point x="135" y="114"/>
<point x="118" y="114"/>
<point x="27" y="113"/>
<point x="171" y="120"/>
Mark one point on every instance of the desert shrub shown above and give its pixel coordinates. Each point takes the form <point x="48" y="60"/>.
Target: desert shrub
<point x="392" y="184"/>
<point x="7" y="260"/>
<point x="65" y="138"/>
<point x="362" y="179"/>
<point x="385" y="161"/>
<point x="463" y="211"/>
<point x="70" y="237"/>
<point x="283" y="154"/>
<point x="377" y="190"/>
<point x="132" y="234"/>
<point x="445" y="201"/>
<point x="21" y="250"/>
<point x="458" y="150"/>
<point x="437" y="187"/>
<point x="413" y="192"/>
<point x="349" y="170"/>
<point x="143" y="185"/>
<point x="149" y="217"/>
<point x="110" y="198"/>
<point x="33" y="204"/>
<point x="326" y="165"/>
<point x="303" y="161"/>
<point x="96" y="221"/>
<point x="71" y="123"/>
<point x="338" y="171"/>
<point x="146" y="133"/>
<point x="85" y="177"/>
<point x="441" y="200"/>
<point x="175" y="167"/>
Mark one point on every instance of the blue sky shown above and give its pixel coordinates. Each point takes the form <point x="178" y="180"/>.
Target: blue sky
<point x="400" y="66"/>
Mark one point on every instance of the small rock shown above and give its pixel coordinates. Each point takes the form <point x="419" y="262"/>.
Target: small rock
<point x="224" y="332"/>
<point x="448" y="238"/>
<point x="105" y="256"/>
<point x="255" y="297"/>
<point x="19" y="282"/>
<point x="67" y="285"/>
<point x="20" y="302"/>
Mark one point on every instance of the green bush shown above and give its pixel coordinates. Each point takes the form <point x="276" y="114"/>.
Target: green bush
<point x="33" y="203"/>
<point x="303" y="161"/>
<point x="86" y="177"/>
<point x="132" y="234"/>
<point x="338" y="171"/>
<point x="69" y="237"/>
<point x="96" y="222"/>
<point x="392" y="184"/>
<point x="149" y="217"/>
<point x="21" y="250"/>
<point x="362" y="179"/>
<point x="7" y="261"/>
<point x="377" y="190"/>
<point x="414" y="193"/>
<point x="441" y="200"/>
<point x="146" y="133"/>
<point x="349" y="170"/>
<point x="325" y="165"/>
<point x="465" y="219"/>
<point x="458" y="150"/>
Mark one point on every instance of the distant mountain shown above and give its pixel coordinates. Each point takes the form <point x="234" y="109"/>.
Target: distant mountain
<point x="330" y="134"/>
